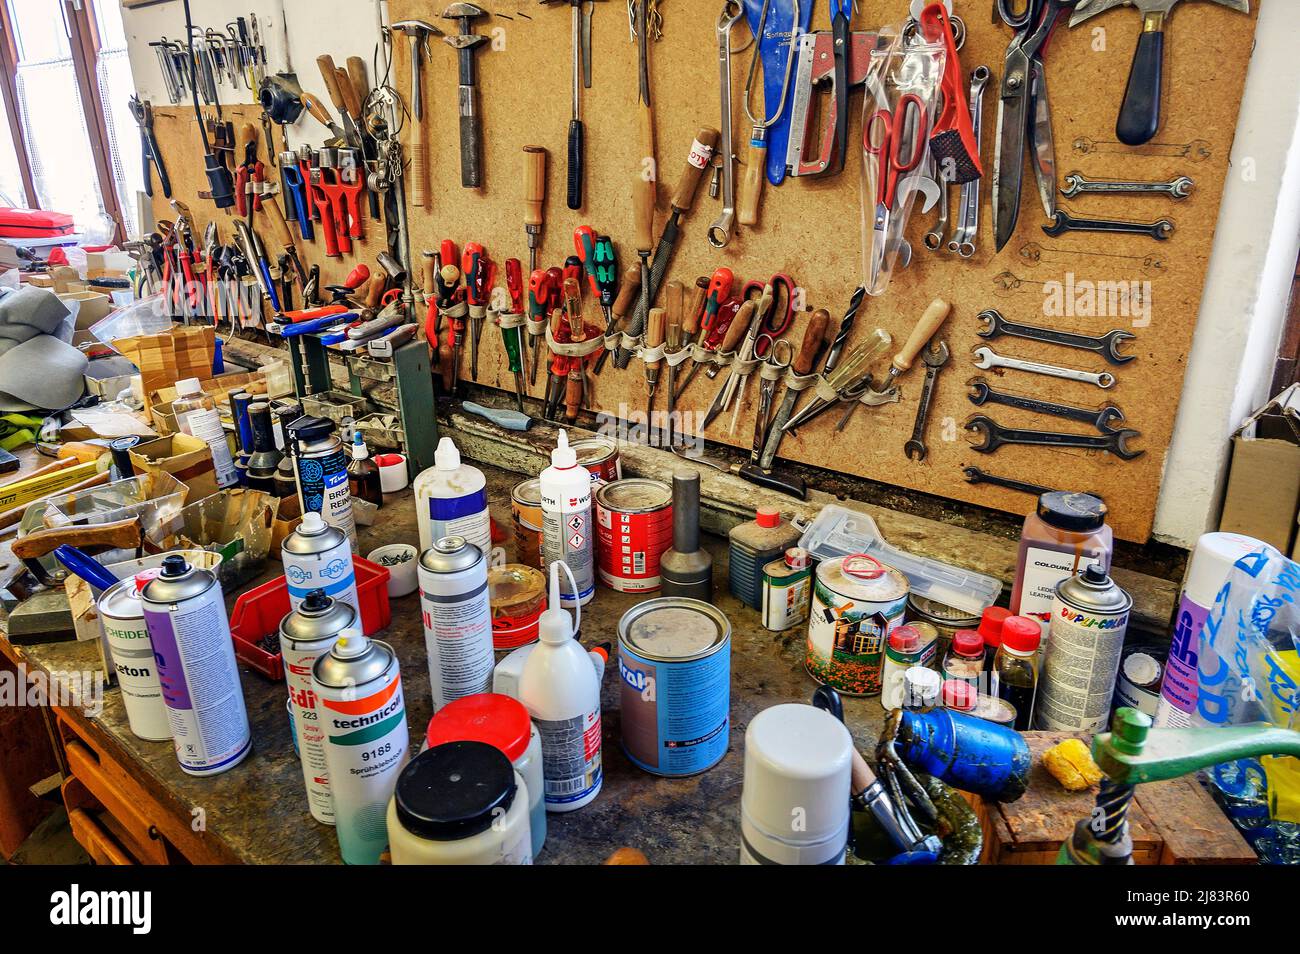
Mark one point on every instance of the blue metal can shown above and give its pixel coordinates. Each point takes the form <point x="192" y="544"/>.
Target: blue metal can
<point x="970" y="754"/>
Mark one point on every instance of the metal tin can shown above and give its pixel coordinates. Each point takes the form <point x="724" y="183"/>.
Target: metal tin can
<point x="457" y="616"/>
<point x="1084" y="644"/>
<point x="358" y="684"/>
<point x="674" y="660"/>
<point x="306" y="634"/>
<point x="943" y="619"/>
<point x="526" y="508"/>
<point x="321" y="467"/>
<point x="1141" y="669"/>
<point x="857" y="602"/>
<point x="121" y="617"/>
<point x="518" y="596"/>
<point x="787" y="583"/>
<point x="967" y="752"/>
<point x="634" y="526"/>
<point x="185" y="615"/>
<point x="318" y="556"/>
<point x="601" y="458"/>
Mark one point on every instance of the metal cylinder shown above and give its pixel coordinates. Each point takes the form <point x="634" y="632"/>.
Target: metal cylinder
<point x="687" y="570"/>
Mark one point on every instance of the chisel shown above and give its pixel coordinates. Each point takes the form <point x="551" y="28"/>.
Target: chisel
<point x="673" y="296"/>
<point x="813" y="340"/>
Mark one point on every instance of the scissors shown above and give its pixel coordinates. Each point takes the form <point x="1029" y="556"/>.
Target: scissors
<point x="897" y="138"/>
<point x="775" y="321"/>
<point x="779" y="353"/>
<point x="1024" y="112"/>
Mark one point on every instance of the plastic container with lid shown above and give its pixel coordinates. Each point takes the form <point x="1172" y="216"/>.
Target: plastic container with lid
<point x="1066" y="533"/>
<point x="504" y="723"/>
<point x="990" y="629"/>
<point x="903" y="650"/>
<point x="1015" y="667"/>
<point x="921" y="688"/>
<point x="959" y="694"/>
<point x="753" y="545"/>
<point x="460" y="803"/>
<point x="965" y="659"/>
<point x="451" y="500"/>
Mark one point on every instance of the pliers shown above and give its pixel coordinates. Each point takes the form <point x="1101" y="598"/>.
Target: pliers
<point x="142" y="110"/>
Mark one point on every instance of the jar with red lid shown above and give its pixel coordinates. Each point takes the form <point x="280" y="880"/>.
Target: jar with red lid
<point x="903" y="649"/>
<point x="965" y="659"/>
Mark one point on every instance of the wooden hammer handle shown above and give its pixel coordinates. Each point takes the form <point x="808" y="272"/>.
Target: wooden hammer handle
<point x="108" y="536"/>
<point x="812" y="341"/>
<point x="934" y="315"/>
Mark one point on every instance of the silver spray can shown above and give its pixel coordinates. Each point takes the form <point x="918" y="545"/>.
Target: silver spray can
<point x="358" y="686"/>
<point x="1084" y="645"/>
<point x="318" y="556"/>
<point x="321" y="466"/>
<point x="457" y="616"/>
<point x="121" y="618"/>
<point x="185" y="615"/>
<point x="306" y="634"/>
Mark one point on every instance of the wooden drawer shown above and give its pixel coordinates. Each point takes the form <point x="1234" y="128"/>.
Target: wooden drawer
<point x="95" y="838"/>
<point x="121" y="798"/>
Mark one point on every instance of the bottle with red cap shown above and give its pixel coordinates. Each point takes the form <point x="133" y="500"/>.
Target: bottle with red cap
<point x="965" y="659"/>
<point x="959" y="694"/>
<point x="1015" y="667"/>
<point x="903" y="650"/>
<point x="753" y="545"/>
<point x="990" y="630"/>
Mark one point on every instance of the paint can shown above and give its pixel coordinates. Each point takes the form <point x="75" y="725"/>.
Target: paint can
<point x="674" y="660"/>
<point x="526" y="508"/>
<point x="857" y="602"/>
<point x="358" y="685"/>
<point x="787" y="583"/>
<point x="318" y="556"/>
<point x="944" y="619"/>
<point x="121" y="618"/>
<point x="518" y="596"/>
<point x="457" y="616"/>
<point x="601" y="458"/>
<point x="306" y="634"/>
<point x="321" y="468"/>
<point x="185" y="614"/>
<point x="1141" y="669"/>
<point x="634" y="526"/>
<point x="1085" y="642"/>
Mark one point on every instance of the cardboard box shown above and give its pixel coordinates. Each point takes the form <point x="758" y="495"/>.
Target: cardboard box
<point x="186" y="458"/>
<point x="90" y="307"/>
<point x="1263" y="495"/>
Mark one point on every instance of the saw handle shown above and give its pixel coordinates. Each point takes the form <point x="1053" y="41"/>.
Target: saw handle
<point x="1139" y="116"/>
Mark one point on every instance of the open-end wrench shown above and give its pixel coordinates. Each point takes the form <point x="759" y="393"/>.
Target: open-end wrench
<point x="935" y="357"/>
<point x="1106" y="345"/>
<point x="976" y="476"/>
<point x="1100" y="418"/>
<point x="1063" y="222"/>
<point x="719" y="233"/>
<point x="963" y="240"/>
<point x="933" y="239"/>
<point x="992" y="436"/>
<point x="1076" y="183"/>
<point x="986" y="358"/>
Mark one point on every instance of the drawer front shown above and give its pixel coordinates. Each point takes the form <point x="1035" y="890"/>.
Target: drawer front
<point x="92" y="836"/>
<point x="126" y="803"/>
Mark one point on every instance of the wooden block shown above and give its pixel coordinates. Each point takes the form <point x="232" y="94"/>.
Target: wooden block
<point x="1192" y="826"/>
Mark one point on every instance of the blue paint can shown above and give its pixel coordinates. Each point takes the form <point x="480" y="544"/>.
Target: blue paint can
<point x="966" y="752"/>
<point x="674" y="664"/>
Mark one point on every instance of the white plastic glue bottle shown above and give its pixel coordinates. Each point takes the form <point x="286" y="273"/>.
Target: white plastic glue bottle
<point x="451" y="500"/>
<point x="567" y="529"/>
<point x="561" y="692"/>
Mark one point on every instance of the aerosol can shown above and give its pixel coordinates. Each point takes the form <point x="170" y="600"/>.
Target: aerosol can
<point x="358" y="686"/>
<point x="560" y="689"/>
<point x="318" y="556"/>
<point x="307" y="633"/>
<point x="457" y="616"/>
<point x="321" y="467"/>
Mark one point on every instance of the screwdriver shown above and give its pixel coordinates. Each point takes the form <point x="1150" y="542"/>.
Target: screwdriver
<point x="673" y="295"/>
<point x="478" y="278"/>
<point x="935" y="314"/>
<point x="813" y="338"/>
<point x="538" y="293"/>
<point x="622" y="305"/>
<point x="715" y="292"/>
<point x="606" y="278"/>
<point x="654" y="337"/>
<point x="577" y="377"/>
<point x="559" y="366"/>
<point x="512" y="338"/>
<point x="534" y="200"/>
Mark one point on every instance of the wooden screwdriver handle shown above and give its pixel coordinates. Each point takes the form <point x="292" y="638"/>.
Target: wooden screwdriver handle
<point x="330" y="74"/>
<point x="375" y="289"/>
<point x="351" y="101"/>
<point x="739" y="325"/>
<point x="706" y="141"/>
<point x="120" y="534"/>
<point x="643" y="213"/>
<point x="357" y="76"/>
<point x="534" y="184"/>
<point x="316" y="108"/>
<point x="278" y="225"/>
<point x="627" y="292"/>
<point x="430" y="276"/>
<point x="691" y="317"/>
<point x="751" y="184"/>
<point x="674" y="296"/>
<point x="813" y="336"/>
<point x="934" y="315"/>
<point x="654" y="332"/>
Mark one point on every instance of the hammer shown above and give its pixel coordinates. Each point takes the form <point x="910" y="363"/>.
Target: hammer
<point x="471" y="166"/>
<point x="418" y="33"/>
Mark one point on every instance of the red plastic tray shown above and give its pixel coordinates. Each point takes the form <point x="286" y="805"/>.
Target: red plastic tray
<point x="258" y="612"/>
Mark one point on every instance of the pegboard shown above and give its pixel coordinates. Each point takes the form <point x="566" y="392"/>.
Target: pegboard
<point x="809" y="228"/>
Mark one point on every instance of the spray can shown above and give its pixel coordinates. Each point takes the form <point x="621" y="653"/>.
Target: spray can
<point x="1084" y="646"/>
<point x="566" y="521"/>
<point x="318" y="556"/>
<point x="457" y="612"/>
<point x="358" y="686"/>
<point x="307" y="633"/>
<point x="321" y="467"/>
<point x="185" y="615"/>
<point x="967" y="752"/>
<point x="121" y="618"/>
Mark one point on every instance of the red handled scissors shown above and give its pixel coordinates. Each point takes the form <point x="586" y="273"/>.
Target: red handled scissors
<point x="897" y="138"/>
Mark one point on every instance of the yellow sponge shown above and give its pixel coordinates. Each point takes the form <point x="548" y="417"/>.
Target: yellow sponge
<point x="1071" y="764"/>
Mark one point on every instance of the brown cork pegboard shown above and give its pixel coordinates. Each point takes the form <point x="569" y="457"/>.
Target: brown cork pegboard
<point x="809" y="228"/>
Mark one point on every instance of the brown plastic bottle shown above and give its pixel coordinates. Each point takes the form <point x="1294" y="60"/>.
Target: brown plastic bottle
<point x="363" y="473"/>
<point x="1066" y="533"/>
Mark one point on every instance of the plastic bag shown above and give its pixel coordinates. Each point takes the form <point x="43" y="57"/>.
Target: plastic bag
<point x="1248" y="671"/>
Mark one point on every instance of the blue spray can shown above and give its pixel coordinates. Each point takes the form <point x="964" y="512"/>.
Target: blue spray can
<point x="970" y="754"/>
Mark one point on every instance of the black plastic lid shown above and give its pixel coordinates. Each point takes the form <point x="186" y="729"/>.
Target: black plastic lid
<point x="311" y="428"/>
<point x="316" y="600"/>
<point x="1071" y="511"/>
<point x="174" y="565"/>
<point x="454" y="790"/>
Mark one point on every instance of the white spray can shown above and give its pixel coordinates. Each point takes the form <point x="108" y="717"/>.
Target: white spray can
<point x="560" y="690"/>
<point x="451" y="500"/>
<point x="457" y="615"/>
<point x="566" y="522"/>
<point x="358" y="686"/>
<point x="317" y="556"/>
<point x="121" y="619"/>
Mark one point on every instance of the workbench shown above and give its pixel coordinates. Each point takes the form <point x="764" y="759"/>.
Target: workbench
<point x="134" y="792"/>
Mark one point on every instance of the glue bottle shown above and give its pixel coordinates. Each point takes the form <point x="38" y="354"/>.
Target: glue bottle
<point x="197" y="415"/>
<point x="565" y="489"/>
<point x="561" y="692"/>
<point x="451" y="500"/>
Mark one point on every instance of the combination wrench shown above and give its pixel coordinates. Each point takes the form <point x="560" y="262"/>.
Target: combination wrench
<point x="1063" y="222"/>
<point x="963" y="240"/>
<point x="976" y="476"/>
<point x="935" y="357"/>
<point x="720" y="230"/>
<point x="992" y="436"/>
<point x="1076" y="183"/>
<point x="1106" y="345"/>
<point x="986" y="358"/>
<point x="1101" y="418"/>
